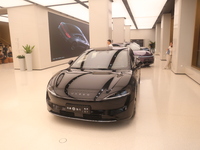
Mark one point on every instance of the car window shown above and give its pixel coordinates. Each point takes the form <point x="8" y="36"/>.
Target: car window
<point x="102" y="60"/>
<point x="99" y="59"/>
<point x="121" y="61"/>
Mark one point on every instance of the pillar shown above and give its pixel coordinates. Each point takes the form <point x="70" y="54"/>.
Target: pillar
<point x="100" y="22"/>
<point x="184" y="23"/>
<point x="118" y="30"/>
<point x="157" y="38"/>
<point x="127" y="33"/>
<point x="165" y="35"/>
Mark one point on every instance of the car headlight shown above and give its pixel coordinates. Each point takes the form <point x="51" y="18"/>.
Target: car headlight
<point x="119" y="94"/>
<point x="50" y="88"/>
<point x="51" y="84"/>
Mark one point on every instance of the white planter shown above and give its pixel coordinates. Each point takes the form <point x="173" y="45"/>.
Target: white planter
<point x="28" y="58"/>
<point x="22" y="64"/>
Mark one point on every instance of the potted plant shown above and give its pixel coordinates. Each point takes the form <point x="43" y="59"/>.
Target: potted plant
<point x="28" y="53"/>
<point x="21" y="62"/>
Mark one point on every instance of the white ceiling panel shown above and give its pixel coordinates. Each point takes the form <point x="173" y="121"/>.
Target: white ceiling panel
<point x="146" y="12"/>
<point x="75" y="10"/>
<point x="119" y="10"/>
<point x="145" y="22"/>
<point x="13" y="3"/>
<point x="52" y="2"/>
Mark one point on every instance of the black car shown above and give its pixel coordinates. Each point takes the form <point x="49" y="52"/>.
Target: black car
<point x="100" y="85"/>
<point x="73" y="36"/>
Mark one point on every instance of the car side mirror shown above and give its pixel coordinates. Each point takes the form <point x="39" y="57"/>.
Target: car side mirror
<point x="70" y="62"/>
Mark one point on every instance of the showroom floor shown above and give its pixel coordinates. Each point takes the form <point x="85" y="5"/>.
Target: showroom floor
<point x="167" y="115"/>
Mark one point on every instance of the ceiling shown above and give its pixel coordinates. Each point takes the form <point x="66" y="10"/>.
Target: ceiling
<point x="140" y="14"/>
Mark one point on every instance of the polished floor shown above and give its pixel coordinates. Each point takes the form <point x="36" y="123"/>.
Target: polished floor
<point x="167" y="115"/>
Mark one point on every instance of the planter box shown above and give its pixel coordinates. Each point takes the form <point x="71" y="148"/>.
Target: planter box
<point x="22" y="64"/>
<point x="28" y="58"/>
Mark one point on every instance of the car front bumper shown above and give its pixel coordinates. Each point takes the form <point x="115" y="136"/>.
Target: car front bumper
<point x="146" y="60"/>
<point x="98" y="111"/>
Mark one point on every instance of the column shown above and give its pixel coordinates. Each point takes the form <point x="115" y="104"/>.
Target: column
<point x="165" y="35"/>
<point x="100" y="22"/>
<point x="127" y="33"/>
<point x="118" y="30"/>
<point x="184" y="23"/>
<point x="157" y="38"/>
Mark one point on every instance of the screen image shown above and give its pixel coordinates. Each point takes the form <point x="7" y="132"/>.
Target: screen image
<point x="68" y="38"/>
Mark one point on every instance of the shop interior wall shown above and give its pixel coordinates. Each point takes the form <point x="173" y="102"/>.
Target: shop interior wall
<point x="183" y="37"/>
<point x="146" y="34"/>
<point x="4" y="33"/>
<point x="189" y="70"/>
<point x="32" y="30"/>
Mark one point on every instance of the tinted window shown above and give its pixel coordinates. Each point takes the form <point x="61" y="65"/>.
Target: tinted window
<point x="102" y="59"/>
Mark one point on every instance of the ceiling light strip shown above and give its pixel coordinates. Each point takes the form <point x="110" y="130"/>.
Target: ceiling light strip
<point x="49" y="5"/>
<point x="82" y="3"/>
<point x="130" y="12"/>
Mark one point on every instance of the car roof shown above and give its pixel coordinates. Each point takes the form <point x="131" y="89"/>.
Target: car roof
<point x="108" y="48"/>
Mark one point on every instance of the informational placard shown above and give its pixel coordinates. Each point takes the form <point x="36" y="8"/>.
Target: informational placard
<point x="68" y="38"/>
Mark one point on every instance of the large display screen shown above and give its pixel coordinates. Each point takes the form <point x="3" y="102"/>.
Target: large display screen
<point x="68" y="38"/>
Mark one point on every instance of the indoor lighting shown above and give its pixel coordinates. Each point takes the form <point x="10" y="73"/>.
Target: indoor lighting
<point x="75" y="10"/>
<point x="146" y="12"/>
<point x="3" y="19"/>
<point x="13" y="3"/>
<point x="52" y="2"/>
<point x="118" y="5"/>
<point x="6" y="15"/>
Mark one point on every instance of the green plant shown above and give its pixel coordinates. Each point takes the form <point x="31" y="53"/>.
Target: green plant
<point x="20" y="56"/>
<point x="28" y="49"/>
<point x="152" y="45"/>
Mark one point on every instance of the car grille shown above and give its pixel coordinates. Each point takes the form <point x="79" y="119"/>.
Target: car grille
<point x="85" y="116"/>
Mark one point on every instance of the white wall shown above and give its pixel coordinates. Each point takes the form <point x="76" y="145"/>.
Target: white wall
<point x="147" y="35"/>
<point x="29" y="25"/>
<point x="184" y="23"/>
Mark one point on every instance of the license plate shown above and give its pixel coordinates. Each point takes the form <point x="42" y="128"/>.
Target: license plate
<point x="78" y="108"/>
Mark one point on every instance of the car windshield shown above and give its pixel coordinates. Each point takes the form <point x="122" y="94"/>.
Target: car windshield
<point x="104" y="60"/>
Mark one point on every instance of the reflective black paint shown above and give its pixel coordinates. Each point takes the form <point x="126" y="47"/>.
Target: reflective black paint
<point x="108" y="95"/>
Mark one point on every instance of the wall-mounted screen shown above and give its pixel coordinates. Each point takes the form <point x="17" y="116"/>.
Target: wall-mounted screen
<point x="138" y="41"/>
<point x="68" y="38"/>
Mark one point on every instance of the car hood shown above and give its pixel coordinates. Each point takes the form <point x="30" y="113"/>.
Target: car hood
<point x="89" y="86"/>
